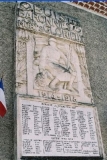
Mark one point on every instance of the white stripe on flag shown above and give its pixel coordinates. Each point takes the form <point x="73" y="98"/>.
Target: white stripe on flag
<point x="2" y="97"/>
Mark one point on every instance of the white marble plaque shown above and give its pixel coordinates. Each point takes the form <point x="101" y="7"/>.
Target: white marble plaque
<point x="49" y="129"/>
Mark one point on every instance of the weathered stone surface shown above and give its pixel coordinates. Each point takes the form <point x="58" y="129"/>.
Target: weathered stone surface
<point x="7" y="17"/>
<point x="51" y="65"/>
<point x="50" y="56"/>
<point x="49" y="129"/>
<point x="95" y="33"/>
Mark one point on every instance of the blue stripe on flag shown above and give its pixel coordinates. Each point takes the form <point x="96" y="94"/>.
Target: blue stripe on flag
<point x="1" y="84"/>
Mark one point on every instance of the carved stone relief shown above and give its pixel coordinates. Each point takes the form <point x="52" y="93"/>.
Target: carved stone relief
<point x="55" y="72"/>
<point x="21" y="61"/>
<point x="51" y="78"/>
<point x="50" y="61"/>
<point x="60" y="67"/>
<point x="84" y="72"/>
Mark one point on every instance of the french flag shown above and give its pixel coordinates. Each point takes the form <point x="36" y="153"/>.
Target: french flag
<point x="3" y="108"/>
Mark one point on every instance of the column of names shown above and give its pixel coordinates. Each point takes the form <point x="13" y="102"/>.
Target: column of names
<point x="55" y="130"/>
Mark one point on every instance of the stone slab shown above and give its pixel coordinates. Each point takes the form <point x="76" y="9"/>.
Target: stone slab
<point x="50" y="129"/>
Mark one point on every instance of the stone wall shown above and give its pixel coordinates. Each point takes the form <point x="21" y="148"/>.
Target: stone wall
<point x="7" y="21"/>
<point x="95" y="33"/>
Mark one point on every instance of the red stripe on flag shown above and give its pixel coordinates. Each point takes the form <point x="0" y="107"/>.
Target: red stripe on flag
<point x="2" y="110"/>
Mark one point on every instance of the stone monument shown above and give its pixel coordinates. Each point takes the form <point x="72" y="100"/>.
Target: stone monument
<point x="55" y="111"/>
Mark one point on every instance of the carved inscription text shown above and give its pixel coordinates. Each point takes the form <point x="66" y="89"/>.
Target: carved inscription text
<point x="36" y="19"/>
